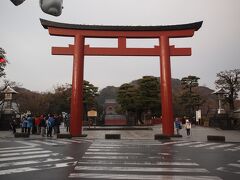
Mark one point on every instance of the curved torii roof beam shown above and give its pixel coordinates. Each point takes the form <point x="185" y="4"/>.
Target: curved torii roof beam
<point x="120" y="32"/>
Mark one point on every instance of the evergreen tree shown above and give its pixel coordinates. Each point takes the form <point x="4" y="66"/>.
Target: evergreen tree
<point x="141" y="97"/>
<point x="190" y="99"/>
<point x="149" y="94"/>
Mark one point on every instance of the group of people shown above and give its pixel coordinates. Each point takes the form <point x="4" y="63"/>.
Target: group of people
<point x="179" y="126"/>
<point x="43" y="124"/>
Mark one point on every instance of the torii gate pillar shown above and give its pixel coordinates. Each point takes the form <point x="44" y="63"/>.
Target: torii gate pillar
<point x="166" y="87"/>
<point x="77" y="87"/>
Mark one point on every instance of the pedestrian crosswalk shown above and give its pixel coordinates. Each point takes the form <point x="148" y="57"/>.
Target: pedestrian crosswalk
<point x="136" y="160"/>
<point x="31" y="158"/>
<point x="52" y="142"/>
<point x="111" y="159"/>
<point x="231" y="167"/>
<point x="178" y="143"/>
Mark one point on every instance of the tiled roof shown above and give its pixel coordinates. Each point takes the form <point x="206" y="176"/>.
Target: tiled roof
<point x="195" y="26"/>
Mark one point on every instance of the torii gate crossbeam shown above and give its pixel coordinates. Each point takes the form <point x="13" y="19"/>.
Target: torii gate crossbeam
<point x="121" y="33"/>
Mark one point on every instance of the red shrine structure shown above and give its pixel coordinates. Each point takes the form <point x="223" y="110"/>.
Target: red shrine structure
<point x="78" y="50"/>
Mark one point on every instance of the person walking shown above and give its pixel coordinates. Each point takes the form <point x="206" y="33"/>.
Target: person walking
<point x="43" y="126"/>
<point x="29" y="123"/>
<point x="13" y="125"/>
<point x="57" y="123"/>
<point x="24" y="124"/>
<point x="178" y="125"/>
<point x="50" y="125"/>
<point x="67" y="122"/>
<point x="188" y="127"/>
<point x="37" y="123"/>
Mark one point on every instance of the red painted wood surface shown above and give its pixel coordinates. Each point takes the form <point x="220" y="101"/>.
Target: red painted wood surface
<point x="164" y="50"/>
<point x="76" y="114"/>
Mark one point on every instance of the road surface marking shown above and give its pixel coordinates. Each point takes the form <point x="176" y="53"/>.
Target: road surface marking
<point x="140" y="169"/>
<point x="233" y="149"/>
<point x="188" y="143"/>
<point x="220" y="146"/>
<point x="36" y="168"/>
<point x="45" y="142"/>
<point x="28" y="157"/>
<point x="18" y="147"/>
<point x="35" y="162"/>
<point x="105" y="157"/>
<point x="58" y="141"/>
<point x="203" y="145"/>
<point x="102" y="162"/>
<point x="141" y="177"/>
<point x="114" y="153"/>
<point x="72" y="141"/>
<point x="24" y="153"/>
<point x="27" y="143"/>
<point x="21" y="150"/>
<point x="234" y="165"/>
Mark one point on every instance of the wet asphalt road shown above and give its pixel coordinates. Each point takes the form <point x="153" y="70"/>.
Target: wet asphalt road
<point x="78" y="158"/>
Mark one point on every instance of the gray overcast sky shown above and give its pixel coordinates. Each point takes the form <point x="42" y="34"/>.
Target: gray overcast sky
<point x="215" y="47"/>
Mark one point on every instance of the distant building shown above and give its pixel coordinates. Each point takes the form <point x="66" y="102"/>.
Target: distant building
<point x="110" y="106"/>
<point x="111" y="116"/>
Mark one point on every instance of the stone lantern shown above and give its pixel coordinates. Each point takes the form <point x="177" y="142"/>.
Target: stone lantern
<point x="7" y="109"/>
<point x="220" y="95"/>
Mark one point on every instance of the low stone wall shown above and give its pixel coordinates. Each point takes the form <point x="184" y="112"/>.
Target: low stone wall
<point x="216" y="138"/>
<point x="112" y="136"/>
<point x="21" y="135"/>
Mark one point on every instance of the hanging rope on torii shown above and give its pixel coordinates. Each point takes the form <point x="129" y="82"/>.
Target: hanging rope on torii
<point x="78" y="50"/>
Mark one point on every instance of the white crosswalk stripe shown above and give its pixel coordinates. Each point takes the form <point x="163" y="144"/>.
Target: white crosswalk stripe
<point x="107" y="147"/>
<point x="79" y="141"/>
<point x="27" y="143"/>
<point x="35" y="168"/>
<point x="233" y="149"/>
<point x="188" y="143"/>
<point x="109" y="160"/>
<point x="59" y="141"/>
<point x="140" y="177"/>
<point x="48" y="142"/>
<point x="45" y="142"/>
<point x="110" y="147"/>
<point x="220" y="146"/>
<point x="23" y="153"/>
<point x="206" y="145"/>
<point x="20" y="150"/>
<point x="28" y="158"/>
<point x="231" y="168"/>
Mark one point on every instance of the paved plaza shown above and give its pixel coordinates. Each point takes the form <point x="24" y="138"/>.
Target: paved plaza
<point x="198" y="133"/>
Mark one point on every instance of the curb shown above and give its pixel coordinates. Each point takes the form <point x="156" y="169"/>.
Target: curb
<point x="216" y="138"/>
<point x="112" y="136"/>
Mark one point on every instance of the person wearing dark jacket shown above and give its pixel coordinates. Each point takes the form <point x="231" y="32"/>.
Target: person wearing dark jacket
<point x="43" y="126"/>
<point x="13" y="125"/>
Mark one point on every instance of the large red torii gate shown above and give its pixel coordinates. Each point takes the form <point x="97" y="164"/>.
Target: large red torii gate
<point x="79" y="49"/>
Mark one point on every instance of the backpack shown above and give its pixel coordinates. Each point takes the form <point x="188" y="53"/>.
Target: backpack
<point x="51" y="122"/>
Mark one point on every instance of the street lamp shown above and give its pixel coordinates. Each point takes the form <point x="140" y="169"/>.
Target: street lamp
<point x="220" y="95"/>
<point x="8" y="92"/>
<point x="7" y="110"/>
